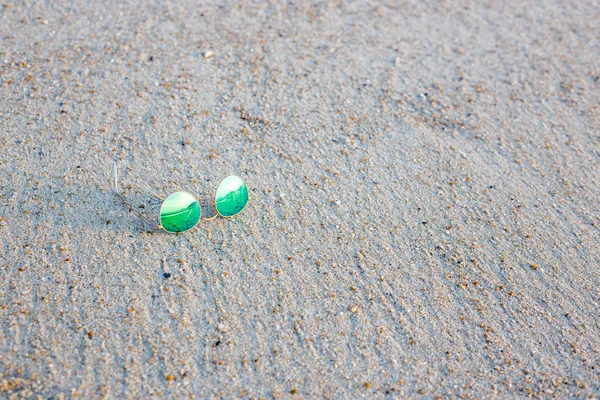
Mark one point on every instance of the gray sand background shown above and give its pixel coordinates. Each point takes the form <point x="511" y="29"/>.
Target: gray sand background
<point x="424" y="216"/>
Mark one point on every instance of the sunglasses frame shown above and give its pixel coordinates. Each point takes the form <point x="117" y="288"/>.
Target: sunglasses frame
<point x="213" y="200"/>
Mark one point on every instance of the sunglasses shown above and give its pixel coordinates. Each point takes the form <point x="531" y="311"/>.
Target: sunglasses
<point x="181" y="211"/>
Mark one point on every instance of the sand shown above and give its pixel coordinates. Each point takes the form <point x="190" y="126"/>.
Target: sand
<point x="424" y="216"/>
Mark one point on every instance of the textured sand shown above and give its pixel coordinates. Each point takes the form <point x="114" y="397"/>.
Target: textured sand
<point x="425" y="199"/>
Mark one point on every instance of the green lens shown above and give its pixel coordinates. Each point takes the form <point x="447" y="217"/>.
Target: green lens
<point x="179" y="212"/>
<point x="232" y="196"/>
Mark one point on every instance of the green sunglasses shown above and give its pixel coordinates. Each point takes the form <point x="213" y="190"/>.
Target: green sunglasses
<point x="181" y="211"/>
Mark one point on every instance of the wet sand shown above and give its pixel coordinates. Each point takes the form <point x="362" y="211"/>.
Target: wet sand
<point x="424" y="212"/>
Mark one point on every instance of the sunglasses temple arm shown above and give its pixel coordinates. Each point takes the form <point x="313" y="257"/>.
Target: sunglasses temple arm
<point x="147" y="189"/>
<point x="137" y="212"/>
<point x="128" y="204"/>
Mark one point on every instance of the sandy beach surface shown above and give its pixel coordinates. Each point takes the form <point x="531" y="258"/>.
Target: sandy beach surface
<point x="424" y="217"/>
